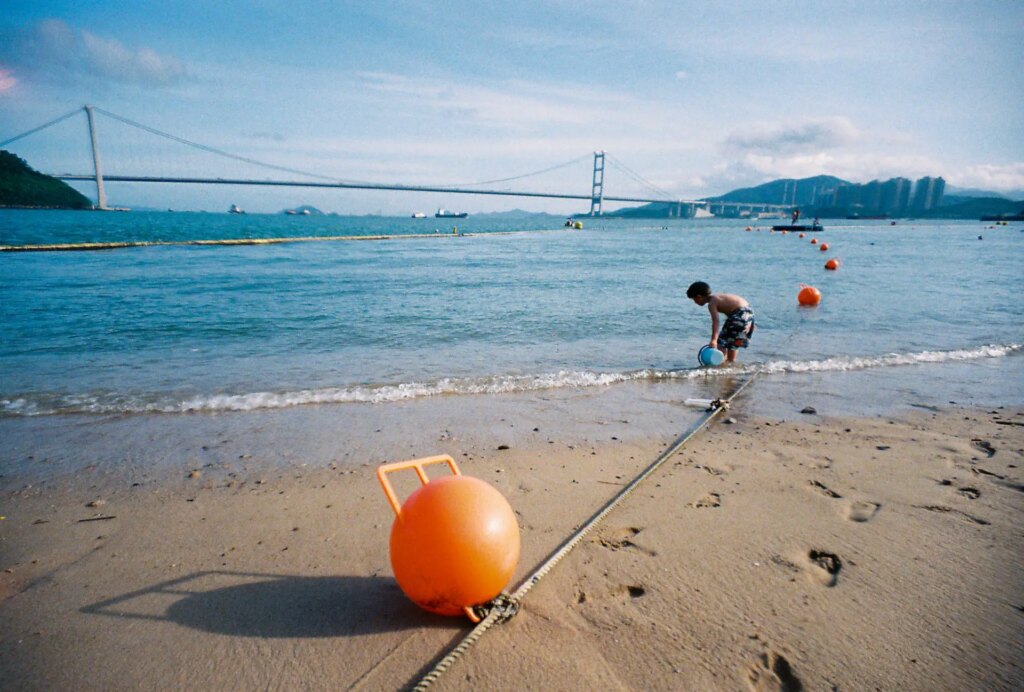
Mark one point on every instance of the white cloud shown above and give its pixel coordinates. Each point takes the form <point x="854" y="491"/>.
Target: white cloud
<point x="999" y="177"/>
<point x="52" y="49"/>
<point x="757" y="168"/>
<point x="806" y="136"/>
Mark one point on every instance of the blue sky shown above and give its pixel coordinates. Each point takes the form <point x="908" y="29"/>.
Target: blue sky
<point x="697" y="98"/>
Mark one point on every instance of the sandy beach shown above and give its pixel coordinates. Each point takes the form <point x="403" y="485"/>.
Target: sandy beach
<point x="792" y="551"/>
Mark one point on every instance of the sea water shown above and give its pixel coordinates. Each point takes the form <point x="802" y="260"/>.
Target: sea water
<point x="178" y="328"/>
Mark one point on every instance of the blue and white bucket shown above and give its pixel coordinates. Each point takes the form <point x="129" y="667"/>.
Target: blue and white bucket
<point x="709" y="357"/>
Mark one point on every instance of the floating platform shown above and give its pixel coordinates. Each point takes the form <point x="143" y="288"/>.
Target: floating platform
<point x="811" y="229"/>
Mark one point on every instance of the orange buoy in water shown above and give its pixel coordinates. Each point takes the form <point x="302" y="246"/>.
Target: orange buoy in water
<point x="808" y="295"/>
<point x="824" y="247"/>
<point x="832" y="264"/>
<point x="800" y="236"/>
<point x="455" y="540"/>
<point x="748" y="228"/>
<point x="814" y="241"/>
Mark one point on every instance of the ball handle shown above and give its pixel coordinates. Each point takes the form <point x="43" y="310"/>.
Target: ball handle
<point x="416" y="464"/>
<point x="382" y="475"/>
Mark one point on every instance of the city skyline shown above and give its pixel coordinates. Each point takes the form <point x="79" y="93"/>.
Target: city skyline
<point x="724" y="97"/>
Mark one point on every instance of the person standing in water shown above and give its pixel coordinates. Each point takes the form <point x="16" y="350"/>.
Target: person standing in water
<point x="739" y="318"/>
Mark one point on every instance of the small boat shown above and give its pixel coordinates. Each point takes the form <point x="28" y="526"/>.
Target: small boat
<point x="807" y="229"/>
<point x="443" y="213"/>
<point x="418" y="215"/>
<point x="235" y="209"/>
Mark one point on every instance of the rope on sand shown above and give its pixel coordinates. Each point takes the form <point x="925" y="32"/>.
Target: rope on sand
<point x="505" y="607"/>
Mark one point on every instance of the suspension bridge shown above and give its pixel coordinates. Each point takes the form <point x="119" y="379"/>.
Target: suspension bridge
<point x="597" y="197"/>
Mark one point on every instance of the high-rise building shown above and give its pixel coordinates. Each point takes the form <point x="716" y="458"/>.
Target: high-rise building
<point x="846" y="196"/>
<point x="895" y="196"/>
<point x="871" y="196"/>
<point x="928" y="193"/>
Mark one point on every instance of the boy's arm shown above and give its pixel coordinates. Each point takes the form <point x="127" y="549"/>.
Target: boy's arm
<point x="713" y="309"/>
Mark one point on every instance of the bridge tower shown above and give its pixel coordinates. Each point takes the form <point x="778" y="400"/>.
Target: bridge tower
<point x="597" y="186"/>
<point x="101" y="196"/>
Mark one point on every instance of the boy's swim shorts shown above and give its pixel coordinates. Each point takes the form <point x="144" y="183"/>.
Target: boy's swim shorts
<point x="735" y="332"/>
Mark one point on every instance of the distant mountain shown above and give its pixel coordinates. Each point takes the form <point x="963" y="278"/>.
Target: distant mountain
<point x="969" y="192"/>
<point x="975" y="208"/>
<point x="514" y="214"/>
<point x="304" y="210"/>
<point x="657" y="210"/>
<point x="802" y="192"/>
<point x="21" y="186"/>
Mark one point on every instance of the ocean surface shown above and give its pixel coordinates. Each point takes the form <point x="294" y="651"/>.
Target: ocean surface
<point x="509" y="305"/>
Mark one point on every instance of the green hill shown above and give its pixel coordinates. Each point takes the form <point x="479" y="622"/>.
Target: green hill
<point x="975" y="208"/>
<point x="20" y="186"/>
<point x="804" y="192"/>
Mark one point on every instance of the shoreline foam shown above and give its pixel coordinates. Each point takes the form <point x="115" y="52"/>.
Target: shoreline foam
<point x="118" y="403"/>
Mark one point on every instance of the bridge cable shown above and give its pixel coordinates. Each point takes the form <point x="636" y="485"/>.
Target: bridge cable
<point x="524" y="175"/>
<point x="640" y="179"/>
<point x="41" y="127"/>
<point x="636" y="176"/>
<point x="219" y="152"/>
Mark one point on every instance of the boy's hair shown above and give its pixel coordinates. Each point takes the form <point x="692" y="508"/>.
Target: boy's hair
<point x="698" y="288"/>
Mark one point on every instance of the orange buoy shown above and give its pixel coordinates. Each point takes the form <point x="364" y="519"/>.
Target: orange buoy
<point x="455" y="540"/>
<point x="808" y="296"/>
<point x="814" y="241"/>
<point x="800" y="236"/>
<point x="832" y="264"/>
<point x="748" y="228"/>
<point x="824" y="247"/>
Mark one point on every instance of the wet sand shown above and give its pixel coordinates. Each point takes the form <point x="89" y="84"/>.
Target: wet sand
<point x="786" y="551"/>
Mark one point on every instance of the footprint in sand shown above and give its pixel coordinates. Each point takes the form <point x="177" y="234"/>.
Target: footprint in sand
<point x="985" y="446"/>
<point x="824" y="567"/>
<point x="709" y="500"/>
<point x="942" y="509"/>
<point x="824" y="489"/>
<point x="621" y="538"/>
<point x="630" y="591"/>
<point x="772" y="673"/>
<point x="862" y="511"/>
<point x="970" y="493"/>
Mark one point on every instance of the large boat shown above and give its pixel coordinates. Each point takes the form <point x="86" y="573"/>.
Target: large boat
<point x="418" y="215"/>
<point x="235" y="209"/>
<point x="443" y="213"/>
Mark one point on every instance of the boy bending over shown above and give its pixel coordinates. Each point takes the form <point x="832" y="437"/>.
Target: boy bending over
<point x="739" y="318"/>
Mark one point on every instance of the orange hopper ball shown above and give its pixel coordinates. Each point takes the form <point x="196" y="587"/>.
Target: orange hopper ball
<point x="455" y="540"/>
<point x="809" y="296"/>
<point x="814" y="241"/>
<point x="824" y="247"/>
<point x="832" y="264"/>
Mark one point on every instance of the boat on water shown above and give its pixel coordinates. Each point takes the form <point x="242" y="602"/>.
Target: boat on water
<point x="813" y="228"/>
<point x="443" y="213"/>
<point x="235" y="209"/>
<point x="418" y="215"/>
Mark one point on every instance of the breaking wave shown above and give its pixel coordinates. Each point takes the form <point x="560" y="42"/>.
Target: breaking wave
<point x="113" y="403"/>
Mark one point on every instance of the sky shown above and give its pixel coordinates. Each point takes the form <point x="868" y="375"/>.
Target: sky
<point x="688" y="99"/>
